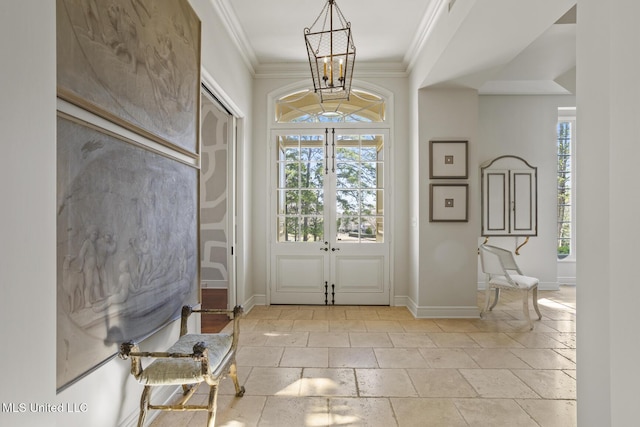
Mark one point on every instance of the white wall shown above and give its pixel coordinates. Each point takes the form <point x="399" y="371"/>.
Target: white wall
<point x="447" y="251"/>
<point x="525" y="126"/>
<point x="227" y="76"/>
<point x="269" y="88"/>
<point x="608" y="105"/>
<point x="28" y="224"/>
<point x="27" y="217"/>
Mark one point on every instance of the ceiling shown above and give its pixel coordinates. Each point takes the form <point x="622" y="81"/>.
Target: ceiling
<point x="271" y="33"/>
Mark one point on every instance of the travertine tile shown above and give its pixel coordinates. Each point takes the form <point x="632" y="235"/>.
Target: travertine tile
<point x="536" y="340"/>
<point x="259" y="356"/>
<point x="273" y="382"/>
<point x="543" y="358"/>
<point x="453" y="340"/>
<point x="358" y="314"/>
<point x="347" y="326"/>
<point x="420" y="325"/>
<point x="549" y="384"/>
<point x="329" y="339"/>
<point x="383" y="326"/>
<point x="286" y="339"/>
<point x="329" y="313"/>
<point x="370" y="339"/>
<point x="311" y="325"/>
<point x="296" y="315"/>
<point x="384" y="383"/>
<point x="495" y="358"/>
<point x="235" y="411"/>
<point x="273" y="325"/>
<point x="494" y="340"/>
<point x="426" y="412"/>
<point x="352" y="358"/>
<point x="551" y="413"/>
<point x="447" y="358"/>
<point x="457" y="325"/>
<point x="400" y="358"/>
<point x="498" y="383"/>
<point x="295" y="411"/>
<point x="411" y="339"/>
<point x="494" y="413"/>
<point x="328" y="382"/>
<point x="440" y="383"/>
<point x="364" y="411"/>
<point x="374" y="366"/>
<point x="305" y="357"/>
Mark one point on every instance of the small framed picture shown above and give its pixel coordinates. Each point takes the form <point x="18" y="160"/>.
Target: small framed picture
<point x="448" y="203"/>
<point x="448" y="160"/>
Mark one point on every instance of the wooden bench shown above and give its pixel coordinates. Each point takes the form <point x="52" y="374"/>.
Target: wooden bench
<point x="192" y="360"/>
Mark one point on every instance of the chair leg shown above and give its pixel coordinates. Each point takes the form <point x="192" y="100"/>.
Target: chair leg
<point x="525" y="308"/>
<point x="535" y="302"/>
<point x="487" y="299"/>
<point x="233" y="373"/>
<point x="144" y="404"/>
<point x="495" y="301"/>
<point x="213" y="406"/>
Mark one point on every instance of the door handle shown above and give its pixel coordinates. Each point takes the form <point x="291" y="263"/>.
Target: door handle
<point x="324" y="249"/>
<point x="335" y="249"/>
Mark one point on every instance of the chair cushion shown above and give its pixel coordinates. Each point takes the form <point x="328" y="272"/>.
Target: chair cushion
<point x="176" y="371"/>
<point x="523" y="282"/>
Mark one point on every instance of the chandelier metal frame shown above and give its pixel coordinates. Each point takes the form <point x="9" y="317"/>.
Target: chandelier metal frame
<point x="331" y="53"/>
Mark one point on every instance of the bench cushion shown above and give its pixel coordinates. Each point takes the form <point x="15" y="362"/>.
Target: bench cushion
<point x="176" y="371"/>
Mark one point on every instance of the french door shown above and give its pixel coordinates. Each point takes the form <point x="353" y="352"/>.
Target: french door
<point x="328" y="242"/>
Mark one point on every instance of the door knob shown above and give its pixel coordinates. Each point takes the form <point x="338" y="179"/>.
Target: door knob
<point x="335" y="249"/>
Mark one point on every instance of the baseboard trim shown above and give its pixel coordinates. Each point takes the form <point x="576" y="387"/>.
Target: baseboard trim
<point x="253" y="301"/>
<point x="448" y="312"/>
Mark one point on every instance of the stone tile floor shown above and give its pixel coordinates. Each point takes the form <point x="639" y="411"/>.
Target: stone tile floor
<point x="378" y="366"/>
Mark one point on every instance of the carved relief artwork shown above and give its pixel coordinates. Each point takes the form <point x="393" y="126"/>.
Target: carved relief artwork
<point x="127" y="244"/>
<point x="133" y="62"/>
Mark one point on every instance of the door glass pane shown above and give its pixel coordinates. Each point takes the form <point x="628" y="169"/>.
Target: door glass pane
<point x="312" y="229"/>
<point x="348" y="229"/>
<point x="359" y="188"/>
<point x="347" y="202"/>
<point x="300" y="194"/>
<point x="347" y="175"/>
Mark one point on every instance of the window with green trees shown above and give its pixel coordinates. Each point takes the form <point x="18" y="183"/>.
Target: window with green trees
<point x="565" y="139"/>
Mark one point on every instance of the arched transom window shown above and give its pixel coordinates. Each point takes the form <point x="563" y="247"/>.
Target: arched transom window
<point x="305" y="107"/>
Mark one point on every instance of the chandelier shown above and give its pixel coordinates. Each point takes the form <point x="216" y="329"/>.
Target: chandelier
<point x="331" y="53"/>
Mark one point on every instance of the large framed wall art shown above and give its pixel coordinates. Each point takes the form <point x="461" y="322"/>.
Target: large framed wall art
<point x="127" y="244"/>
<point x="135" y="63"/>
<point x="128" y="174"/>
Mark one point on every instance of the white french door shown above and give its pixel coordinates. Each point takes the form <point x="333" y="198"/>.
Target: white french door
<point x="328" y="244"/>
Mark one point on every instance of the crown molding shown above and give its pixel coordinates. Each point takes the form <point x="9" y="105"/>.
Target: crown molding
<point x="424" y="31"/>
<point x="232" y="25"/>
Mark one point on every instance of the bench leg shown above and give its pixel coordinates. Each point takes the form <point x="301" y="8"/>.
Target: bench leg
<point x="144" y="404"/>
<point x="213" y="406"/>
<point x="233" y="373"/>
